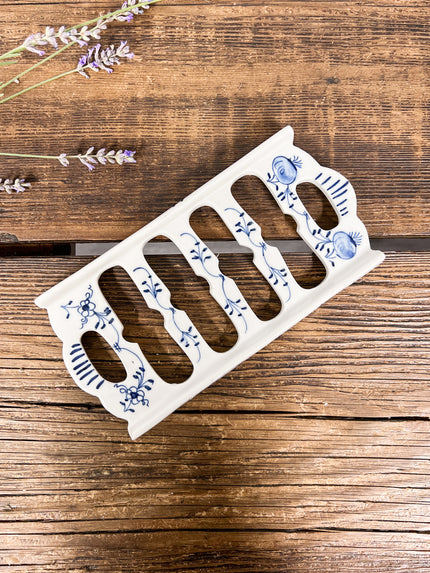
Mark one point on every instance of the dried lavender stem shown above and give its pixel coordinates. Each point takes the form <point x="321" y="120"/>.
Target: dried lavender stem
<point x="4" y="100"/>
<point x="31" y="156"/>
<point x="112" y="14"/>
<point x="90" y="159"/>
<point x="19" y="49"/>
<point x="33" y="67"/>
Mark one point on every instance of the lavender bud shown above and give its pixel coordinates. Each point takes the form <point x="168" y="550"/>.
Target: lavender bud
<point x="63" y="160"/>
<point x="17" y="186"/>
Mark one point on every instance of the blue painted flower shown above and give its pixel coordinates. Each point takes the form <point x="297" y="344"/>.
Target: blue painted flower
<point x="286" y="169"/>
<point x="135" y="395"/>
<point x="345" y="244"/>
<point x="87" y="307"/>
<point x="284" y="173"/>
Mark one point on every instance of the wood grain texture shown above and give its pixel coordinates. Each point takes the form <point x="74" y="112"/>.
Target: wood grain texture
<point x="210" y="81"/>
<point x="312" y="456"/>
<point x="266" y="455"/>
<point x="216" y="552"/>
<point x="365" y="353"/>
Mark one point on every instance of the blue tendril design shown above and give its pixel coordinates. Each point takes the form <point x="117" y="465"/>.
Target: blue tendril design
<point x="154" y="289"/>
<point x="134" y="395"/>
<point x="202" y="254"/>
<point x="248" y="227"/>
<point x="339" y="245"/>
<point x="87" y="309"/>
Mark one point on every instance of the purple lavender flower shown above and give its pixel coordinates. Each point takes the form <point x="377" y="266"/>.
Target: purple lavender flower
<point x="97" y="59"/>
<point x="14" y="186"/>
<point x="82" y="35"/>
<point x="91" y="159"/>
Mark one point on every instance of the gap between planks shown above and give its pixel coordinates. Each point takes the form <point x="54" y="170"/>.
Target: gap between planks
<point x="286" y="246"/>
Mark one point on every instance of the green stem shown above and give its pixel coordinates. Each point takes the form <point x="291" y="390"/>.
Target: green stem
<point x="34" y="66"/>
<point x="21" y="48"/>
<point x="115" y="13"/>
<point x="15" y="52"/>
<point x="28" y="155"/>
<point x="38" y="85"/>
<point x="8" y="63"/>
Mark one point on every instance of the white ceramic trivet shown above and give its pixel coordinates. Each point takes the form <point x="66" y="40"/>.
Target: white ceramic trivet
<point x="77" y="305"/>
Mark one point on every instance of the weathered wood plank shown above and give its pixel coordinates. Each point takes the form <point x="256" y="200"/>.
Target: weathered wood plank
<point x="365" y="353"/>
<point x="216" y="552"/>
<point x="357" y="99"/>
<point x="211" y="471"/>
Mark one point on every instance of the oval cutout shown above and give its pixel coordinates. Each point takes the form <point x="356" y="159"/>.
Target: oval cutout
<point x="145" y="326"/>
<point x="317" y="205"/>
<point x="190" y="293"/>
<point x="254" y="197"/>
<point x="239" y="266"/>
<point x="103" y="357"/>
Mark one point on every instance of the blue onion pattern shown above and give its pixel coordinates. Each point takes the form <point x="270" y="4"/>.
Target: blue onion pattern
<point x="345" y="244"/>
<point x="284" y="173"/>
<point x="338" y="245"/>
<point x="203" y="254"/>
<point x="87" y="309"/>
<point x="188" y="337"/>
<point x="135" y="395"/>
<point x="247" y="227"/>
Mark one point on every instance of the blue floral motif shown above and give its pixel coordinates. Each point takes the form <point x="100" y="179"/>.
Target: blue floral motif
<point x="284" y="173"/>
<point x="154" y="289"/>
<point x="203" y="255"/>
<point x="248" y="227"/>
<point x="87" y="309"/>
<point x="338" y="245"/>
<point x="134" y="395"/>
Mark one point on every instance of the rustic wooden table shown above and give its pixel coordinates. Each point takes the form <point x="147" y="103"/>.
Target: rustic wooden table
<point x="314" y="454"/>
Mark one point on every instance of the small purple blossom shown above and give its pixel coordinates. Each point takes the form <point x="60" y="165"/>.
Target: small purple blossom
<point x="103" y="59"/>
<point x="14" y="186"/>
<point x="81" y="35"/>
<point x="102" y="157"/>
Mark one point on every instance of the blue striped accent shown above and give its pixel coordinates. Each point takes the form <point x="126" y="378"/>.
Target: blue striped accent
<point x="318" y="176"/>
<point x="328" y="179"/>
<point x="77" y="349"/>
<point x="78" y="357"/>
<point x="342" y="202"/>
<point x="340" y="194"/>
<point x="344" y="211"/>
<point x="100" y="384"/>
<point x="334" y="185"/>
<point x="86" y="374"/>
<point x="79" y="365"/>
<point x="84" y="368"/>
<point x="76" y="344"/>
<point x="339" y="188"/>
<point x="92" y="379"/>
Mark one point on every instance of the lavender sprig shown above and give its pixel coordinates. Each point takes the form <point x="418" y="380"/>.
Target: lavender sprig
<point x="95" y="59"/>
<point x="89" y="159"/>
<point x="14" y="186"/>
<point x="81" y="33"/>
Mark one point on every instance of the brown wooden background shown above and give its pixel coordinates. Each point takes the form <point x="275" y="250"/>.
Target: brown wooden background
<point x="314" y="455"/>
